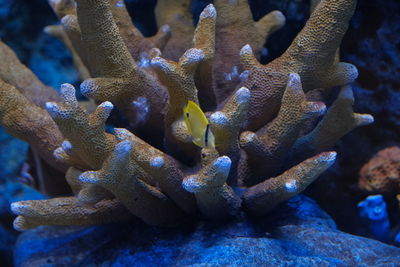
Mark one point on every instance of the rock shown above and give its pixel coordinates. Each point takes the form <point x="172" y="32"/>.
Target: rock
<point x="382" y="173"/>
<point x="297" y="233"/>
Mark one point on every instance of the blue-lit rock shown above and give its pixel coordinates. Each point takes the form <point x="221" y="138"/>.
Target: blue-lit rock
<point x="374" y="214"/>
<point x="297" y="233"/>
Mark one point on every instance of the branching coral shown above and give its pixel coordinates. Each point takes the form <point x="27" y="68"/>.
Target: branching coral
<point x="263" y="121"/>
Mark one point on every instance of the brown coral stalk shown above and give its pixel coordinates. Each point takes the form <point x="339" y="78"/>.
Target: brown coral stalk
<point x="67" y="211"/>
<point x="261" y="198"/>
<point x="216" y="199"/>
<point x="121" y="176"/>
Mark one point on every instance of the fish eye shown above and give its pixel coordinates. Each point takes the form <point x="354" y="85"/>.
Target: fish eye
<point x="187" y="114"/>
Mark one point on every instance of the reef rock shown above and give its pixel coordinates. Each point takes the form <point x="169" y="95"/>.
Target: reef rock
<point x="382" y="173"/>
<point x="297" y="233"/>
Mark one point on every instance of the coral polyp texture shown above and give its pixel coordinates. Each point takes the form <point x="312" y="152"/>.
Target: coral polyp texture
<point x="273" y="132"/>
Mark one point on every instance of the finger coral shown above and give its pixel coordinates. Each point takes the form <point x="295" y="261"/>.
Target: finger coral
<point x="271" y="139"/>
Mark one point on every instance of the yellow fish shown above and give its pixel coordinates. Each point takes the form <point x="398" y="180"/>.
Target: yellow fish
<point x="198" y="126"/>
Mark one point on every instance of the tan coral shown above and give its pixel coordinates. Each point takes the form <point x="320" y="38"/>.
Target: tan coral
<point x="235" y="28"/>
<point x="121" y="176"/>
<point x="176" y="14"/>
<point x="269" y="147"/>
<point x="117" y="77"/>
<point x="66" y="211"/>
<point x="23" y="119"/>
<point x="311" y="55"/>
<point x="180" y="79"/>
<point x="215" y="198"/>
<point x="13" y="72"/>
<point x="137" y="44"/>
<point x="63" y="7"/>
<point x="263" y="121"/>
<point x="85" y="132"/>
<point x="204" y="39"/>
<point x="227" y="125"/>
<point x="263" y="197"/>
<point x="339" y="120"/>
<point x="164" y="169"/>
<point x="381" y="174"/>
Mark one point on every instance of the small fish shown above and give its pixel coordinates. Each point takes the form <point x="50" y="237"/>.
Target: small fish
<point x="198" y="126"/>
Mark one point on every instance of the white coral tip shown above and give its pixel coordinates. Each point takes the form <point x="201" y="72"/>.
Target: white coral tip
<point x="107" y="105"/>
<point x="157" y="162"/>
<point x="66" y="145"/>
<point x="219" y="118"/>
<point x="364" y="119"/>
<point x="291" y="186"/>
<point x="208" y="12"/>
<point x="17" y="207"/>
<point x="122" y="134"/>
<point x="223" y="164"/>
<point x="68" y="93"/>
<point x="243" y="95"/>
<point x="123" y="148"/>
<point x="246" y="50"/>
<point x="247" y="137"/>
<point x="53" y="109"/>
<point x="328" y="156"/>
<point x="165" y="28"/>
<point x="191" y="184"/>
<point x="89" y="177"/>
<point x="194" y="55"/>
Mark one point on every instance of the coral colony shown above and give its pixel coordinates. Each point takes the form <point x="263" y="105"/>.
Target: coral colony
<point x="272" y="132"/>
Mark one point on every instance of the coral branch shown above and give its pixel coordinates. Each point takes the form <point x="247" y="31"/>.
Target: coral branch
<point x="214" y="197"/>
<point x="23" y="119"/>
<point x="13" y="72"/>
<point x="269" y="146"/>
<point x="204" y="39"/>
<point x="177" y="14"/>
<point x="339" y="120"/>
<point x="236" y="27"/>
<point x="165" y="170"/>
<point x="136" y="43"/>
<point x="67" y="211"/>
<point x="311" y="55"/>
<point x="117" y="77"/>
<point x="178" y="77"/>
<point x="263" y="197"/>
<point x="85" y="133"/>
<point x="321" y="35"/>
<point x="227" y="125"/>
<point x="121" y="176"/>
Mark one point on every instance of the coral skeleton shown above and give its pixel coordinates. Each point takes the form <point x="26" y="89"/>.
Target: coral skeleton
<point x="273" y="137"/>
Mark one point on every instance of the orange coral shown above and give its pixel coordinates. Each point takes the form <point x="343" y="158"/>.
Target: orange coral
<point x="381" y="174"/>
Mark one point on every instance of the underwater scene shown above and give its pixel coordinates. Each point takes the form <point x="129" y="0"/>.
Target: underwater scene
<point x="199" y="133"/>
